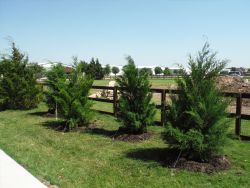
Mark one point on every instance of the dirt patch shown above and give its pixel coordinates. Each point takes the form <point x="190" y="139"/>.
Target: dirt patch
<point x="233" y="84"/>
<point x="218" y="163"/>
<point x="121" y="136"/>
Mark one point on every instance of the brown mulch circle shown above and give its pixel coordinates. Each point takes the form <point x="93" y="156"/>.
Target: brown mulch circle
<point x="218" y="163"/>
<point x="121" y="136"/>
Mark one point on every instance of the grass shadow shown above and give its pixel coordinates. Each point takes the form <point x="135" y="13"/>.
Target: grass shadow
<point x="102" y="132"/>
<point x="43" y="114"/>
<point x="163" y="156"/>
<point x="54" y="125"/>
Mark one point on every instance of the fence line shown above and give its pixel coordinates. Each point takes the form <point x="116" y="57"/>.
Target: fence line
<point x="237" y="115"/>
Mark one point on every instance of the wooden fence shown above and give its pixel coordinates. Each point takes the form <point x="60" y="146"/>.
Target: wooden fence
<point x="163" y="106"/>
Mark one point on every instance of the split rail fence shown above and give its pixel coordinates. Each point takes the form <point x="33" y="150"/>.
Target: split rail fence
<point x="163" y="105"/>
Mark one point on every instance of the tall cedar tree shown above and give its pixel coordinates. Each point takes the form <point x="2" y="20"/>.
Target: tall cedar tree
<point x="72" y="99"/>
<point x="197" y="123"/>
<point x="18" y="88"/>
<point x="135" y="108"/>
<point x="53" y="76"/>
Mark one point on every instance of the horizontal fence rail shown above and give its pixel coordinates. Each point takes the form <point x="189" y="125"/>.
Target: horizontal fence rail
<point x="163" y="104"/>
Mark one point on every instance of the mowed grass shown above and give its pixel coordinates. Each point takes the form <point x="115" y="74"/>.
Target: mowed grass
<point x="159" y="83"/>
<point x="92" y="159"/>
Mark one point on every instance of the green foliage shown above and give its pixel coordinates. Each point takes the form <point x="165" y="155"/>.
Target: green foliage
<point x="83" y="66"/>
<point x="107" y="70"/>
<point x="167" y="71"/>
<point x="18" y="88"/>
<point x="115" y="70"/>
<point x="94" y="69"/>
<point x="158" y="70"/>
<point x="197" y="116"/>
<point x="135" y="108"/>
<point x="177" y="71"/>
<point x="37" y="70"/>
<point x="146" y="71"/>
<point x="53" y="76"/>
<point x="72" y="98"/>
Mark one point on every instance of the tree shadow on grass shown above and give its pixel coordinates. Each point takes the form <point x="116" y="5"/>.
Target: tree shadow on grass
<point x="43" y="114"/>
<point x="54" y="125"/>
<point x="163" y="156"/>
<point x="102" y="132"/>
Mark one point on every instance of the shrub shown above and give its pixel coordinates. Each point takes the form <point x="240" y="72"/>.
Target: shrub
<point x="72" y="99"/>
<point x="147" y="71"/>
<point x="158" y="70"/>
<point x="135" y="108"/>
<point x="197" y="123"/>
<point x="167" y="71"/>
<point x="18" y="88"/>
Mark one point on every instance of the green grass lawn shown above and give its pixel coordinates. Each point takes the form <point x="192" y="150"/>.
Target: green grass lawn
<point x="161" y="83"/>
<point x="95" y="160"/>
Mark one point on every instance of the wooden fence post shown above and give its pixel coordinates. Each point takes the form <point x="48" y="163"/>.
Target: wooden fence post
<point x="238" y="114"/>
<point x="115" y="101"/>
<point x="163" y="107"/>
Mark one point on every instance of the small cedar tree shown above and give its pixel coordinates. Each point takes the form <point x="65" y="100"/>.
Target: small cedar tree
<point x="135" y="108"/>
<point x="196" y="120"/>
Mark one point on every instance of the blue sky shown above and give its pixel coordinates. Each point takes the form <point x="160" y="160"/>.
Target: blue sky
<point x="153" y="32"/>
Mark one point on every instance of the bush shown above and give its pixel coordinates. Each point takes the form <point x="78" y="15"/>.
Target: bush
<point x="158" y="70"/>
<point x="56" y="74"/>
<point x="72" y="99"/>
<point x="146" y="71"/>
<point x="197" y="123"/>
<point x="135" y="108"/>
<point x="18" y="88"/>
<point x="167" y="71"/>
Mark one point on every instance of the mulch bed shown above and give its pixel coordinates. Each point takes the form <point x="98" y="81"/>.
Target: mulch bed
<point x="218" y="163"/>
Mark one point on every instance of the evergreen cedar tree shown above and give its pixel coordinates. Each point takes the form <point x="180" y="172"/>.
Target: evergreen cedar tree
<point x="136" y="111"/>
<point x="196" y="120"/>
<point x="53" y="76"/>
<point x="18" y="89"/>
<point x="71" y="97"/>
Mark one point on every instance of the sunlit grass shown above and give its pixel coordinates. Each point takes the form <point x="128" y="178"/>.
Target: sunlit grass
<point x="95" y="160"/>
